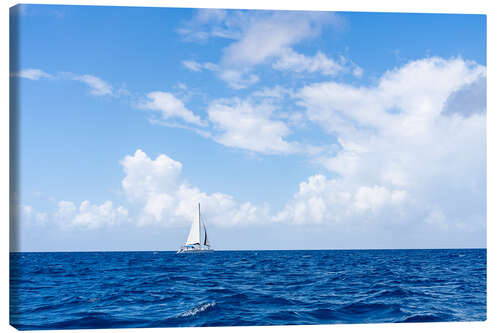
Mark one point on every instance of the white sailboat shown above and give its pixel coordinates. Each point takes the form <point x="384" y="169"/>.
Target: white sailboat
<point x="197" y="240"/>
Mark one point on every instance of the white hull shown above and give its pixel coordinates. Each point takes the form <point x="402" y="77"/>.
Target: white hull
<point x="189" y="250"/>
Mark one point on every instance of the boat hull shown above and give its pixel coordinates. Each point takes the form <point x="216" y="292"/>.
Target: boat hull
<point x="183" y="250"/>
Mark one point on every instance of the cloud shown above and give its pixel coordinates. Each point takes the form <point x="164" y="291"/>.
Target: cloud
<point x="246" y="125"/>
<point x="260" y="37"/>
<point x="238" y="79"/>
<point x="324" y="201"/>
<point x="372" y="198"/>
<point x="405" y="153"/>
<point x="416" y="92"/>
<point x="436" y="218"/>
<point x="169" y="107"/>
<point x="31" y="216"/>
<point x="357" y="71"/>
<point x="33" y="74"/>
<point x="88" y="215"/>
<point x="276" y="92"/>
<point x="26" y="210"/>
<point x="207" y="23"/>
<point x="235" y="78"/>
<point x="145" y="176"/>
<point x="98" y="87"/>
<point x="468" y="100"/>
<point x="197" y="67"/>
<point x="165" y="198"/>
<point x="290" y="60"/>
<point x="269" y="35"/>
<point x="41" y="217"/>
<point x="192" y="65"/>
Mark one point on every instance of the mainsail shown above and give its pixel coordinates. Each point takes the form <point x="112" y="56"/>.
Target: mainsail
<point x="198" y="233"/>
<point x="194" y="233"/>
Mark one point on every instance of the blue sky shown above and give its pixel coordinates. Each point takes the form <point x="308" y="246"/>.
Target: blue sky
<point x="293" y="129"/>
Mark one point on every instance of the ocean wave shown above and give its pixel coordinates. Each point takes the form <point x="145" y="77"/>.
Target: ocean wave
<point x="198" y="309"/>
<point x="272" y="288"/>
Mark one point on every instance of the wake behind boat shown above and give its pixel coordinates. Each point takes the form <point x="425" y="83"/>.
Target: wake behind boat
<point x="197" y="240"/>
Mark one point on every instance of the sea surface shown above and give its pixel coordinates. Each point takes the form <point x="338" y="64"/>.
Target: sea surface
<point x="226" y="288"/>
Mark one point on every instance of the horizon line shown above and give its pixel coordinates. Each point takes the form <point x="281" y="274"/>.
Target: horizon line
<point x="253" y="250"/>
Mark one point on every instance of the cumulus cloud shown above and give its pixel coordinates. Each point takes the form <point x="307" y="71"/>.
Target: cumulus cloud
<point x="88" y="215"/>
<point x="169" y="107"/>
<point x="372" y="198"/>
<point x="29" y="215"/>
<point x="167" y="199"/>
<point x="145" y="176"/>
<point x="419" y="90"/>
<point x="335" y="201"/>
<point x="398" y="148"/>
<point x="247" y="125"/>
<point x="33" y="74"/>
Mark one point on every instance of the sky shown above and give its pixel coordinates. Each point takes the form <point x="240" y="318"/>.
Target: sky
<point x="294" y="130"/>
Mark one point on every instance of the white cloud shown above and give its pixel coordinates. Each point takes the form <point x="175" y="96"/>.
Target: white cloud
<point x="169" y="107"/>
<point x="41" y="217"/>
<point x="235" y="78"/>
<point x="260" y="37"/>
<point x="290" y="60"/>
<point x="269" y="36"/>
<point x="277" y="92"/>
<point x="246" y="125"/>
<point x="98" y="86"/>
<point x="436" y="218"/>
<point x="238" y="79"/>
<point x="26" y="210"/>
<point x="418" y="90"/>
<point x="145" y="176"/>
<point x="88" y="215"/>
<point x="399" y="151"/>
<point x="372" y="198"/>
<point x="33" y="74"/>
<point x="192" y="65"/>
<point x="208" y="23"/>
<point x="65" y="210"/>
<point x="31" y="216"/>
<point x="357" y="71"/>
<point x="166" y="199"/>
<point x="335" y="201"/>
<point x="197" y="67"/>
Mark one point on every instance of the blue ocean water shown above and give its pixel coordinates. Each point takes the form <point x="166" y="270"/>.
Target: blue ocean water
<point x="227" y="288"/>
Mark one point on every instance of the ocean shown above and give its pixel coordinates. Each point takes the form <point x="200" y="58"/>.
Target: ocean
<point x="68" y="290"/>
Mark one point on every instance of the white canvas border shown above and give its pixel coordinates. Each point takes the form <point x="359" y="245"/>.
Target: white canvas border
<point x="425" y="6"/>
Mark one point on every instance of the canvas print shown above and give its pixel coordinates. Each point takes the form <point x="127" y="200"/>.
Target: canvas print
<point x="210" y="167"/>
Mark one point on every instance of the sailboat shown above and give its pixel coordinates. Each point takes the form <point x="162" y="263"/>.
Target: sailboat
<point x="197" y="240"/>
